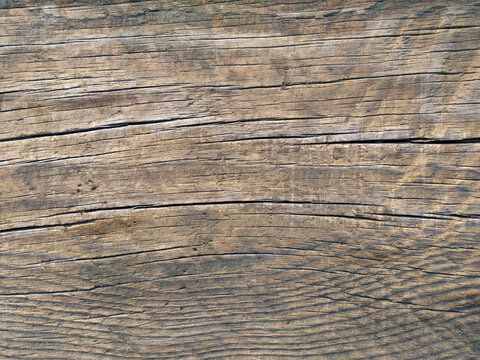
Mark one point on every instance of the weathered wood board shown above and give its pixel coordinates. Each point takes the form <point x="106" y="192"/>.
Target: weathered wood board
<point x="239" y="179"/>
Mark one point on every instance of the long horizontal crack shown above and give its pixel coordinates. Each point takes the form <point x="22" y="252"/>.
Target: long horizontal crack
<point x="38" y="227"/>
<point x="414" y="140"/>
<point x="172" y="205"/>
<point x="112" y="256"/>
<point x="334" y="81"/>
<point x="417" y="140"/>
<point x="60" y="291"/>
<point x="210" y="203"/>
<point x="86" y="130"/>
<point x="423" y="217"/>
<point x="230" y="202"/>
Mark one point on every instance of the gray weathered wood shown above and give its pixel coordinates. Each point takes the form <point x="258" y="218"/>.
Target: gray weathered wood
<point x="239" y="179"/>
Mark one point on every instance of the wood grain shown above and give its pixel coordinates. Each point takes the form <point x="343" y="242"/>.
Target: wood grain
<point x="239" y="179"/>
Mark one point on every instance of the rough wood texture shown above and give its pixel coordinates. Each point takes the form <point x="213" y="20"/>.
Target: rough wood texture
<point x="239" y="179"/>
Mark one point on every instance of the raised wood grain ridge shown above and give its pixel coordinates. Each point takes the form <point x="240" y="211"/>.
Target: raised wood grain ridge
<point x="239" y="179"/>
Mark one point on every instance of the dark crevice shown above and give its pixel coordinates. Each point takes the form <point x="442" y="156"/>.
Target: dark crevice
<point x="210" y="203"/>
<point x="423" y="217"/>
<point x="93" y="258"/>
<point x="97" y="128"/>
<point x="161" y="206"/>
<point x="38" y="227"/>
<point x="354" y="217"/>
<point x="229" y="122"/>
<point x="229" y="202"/>
<point x="414" y="140"/>
<point x="61" y="291"/>
<point x="286" y="85"/>
<point x="277" y="137"/>
<point x="129" y="88"/>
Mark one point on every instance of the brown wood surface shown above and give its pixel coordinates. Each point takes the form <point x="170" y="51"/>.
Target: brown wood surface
<point x="239" y="179"/>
